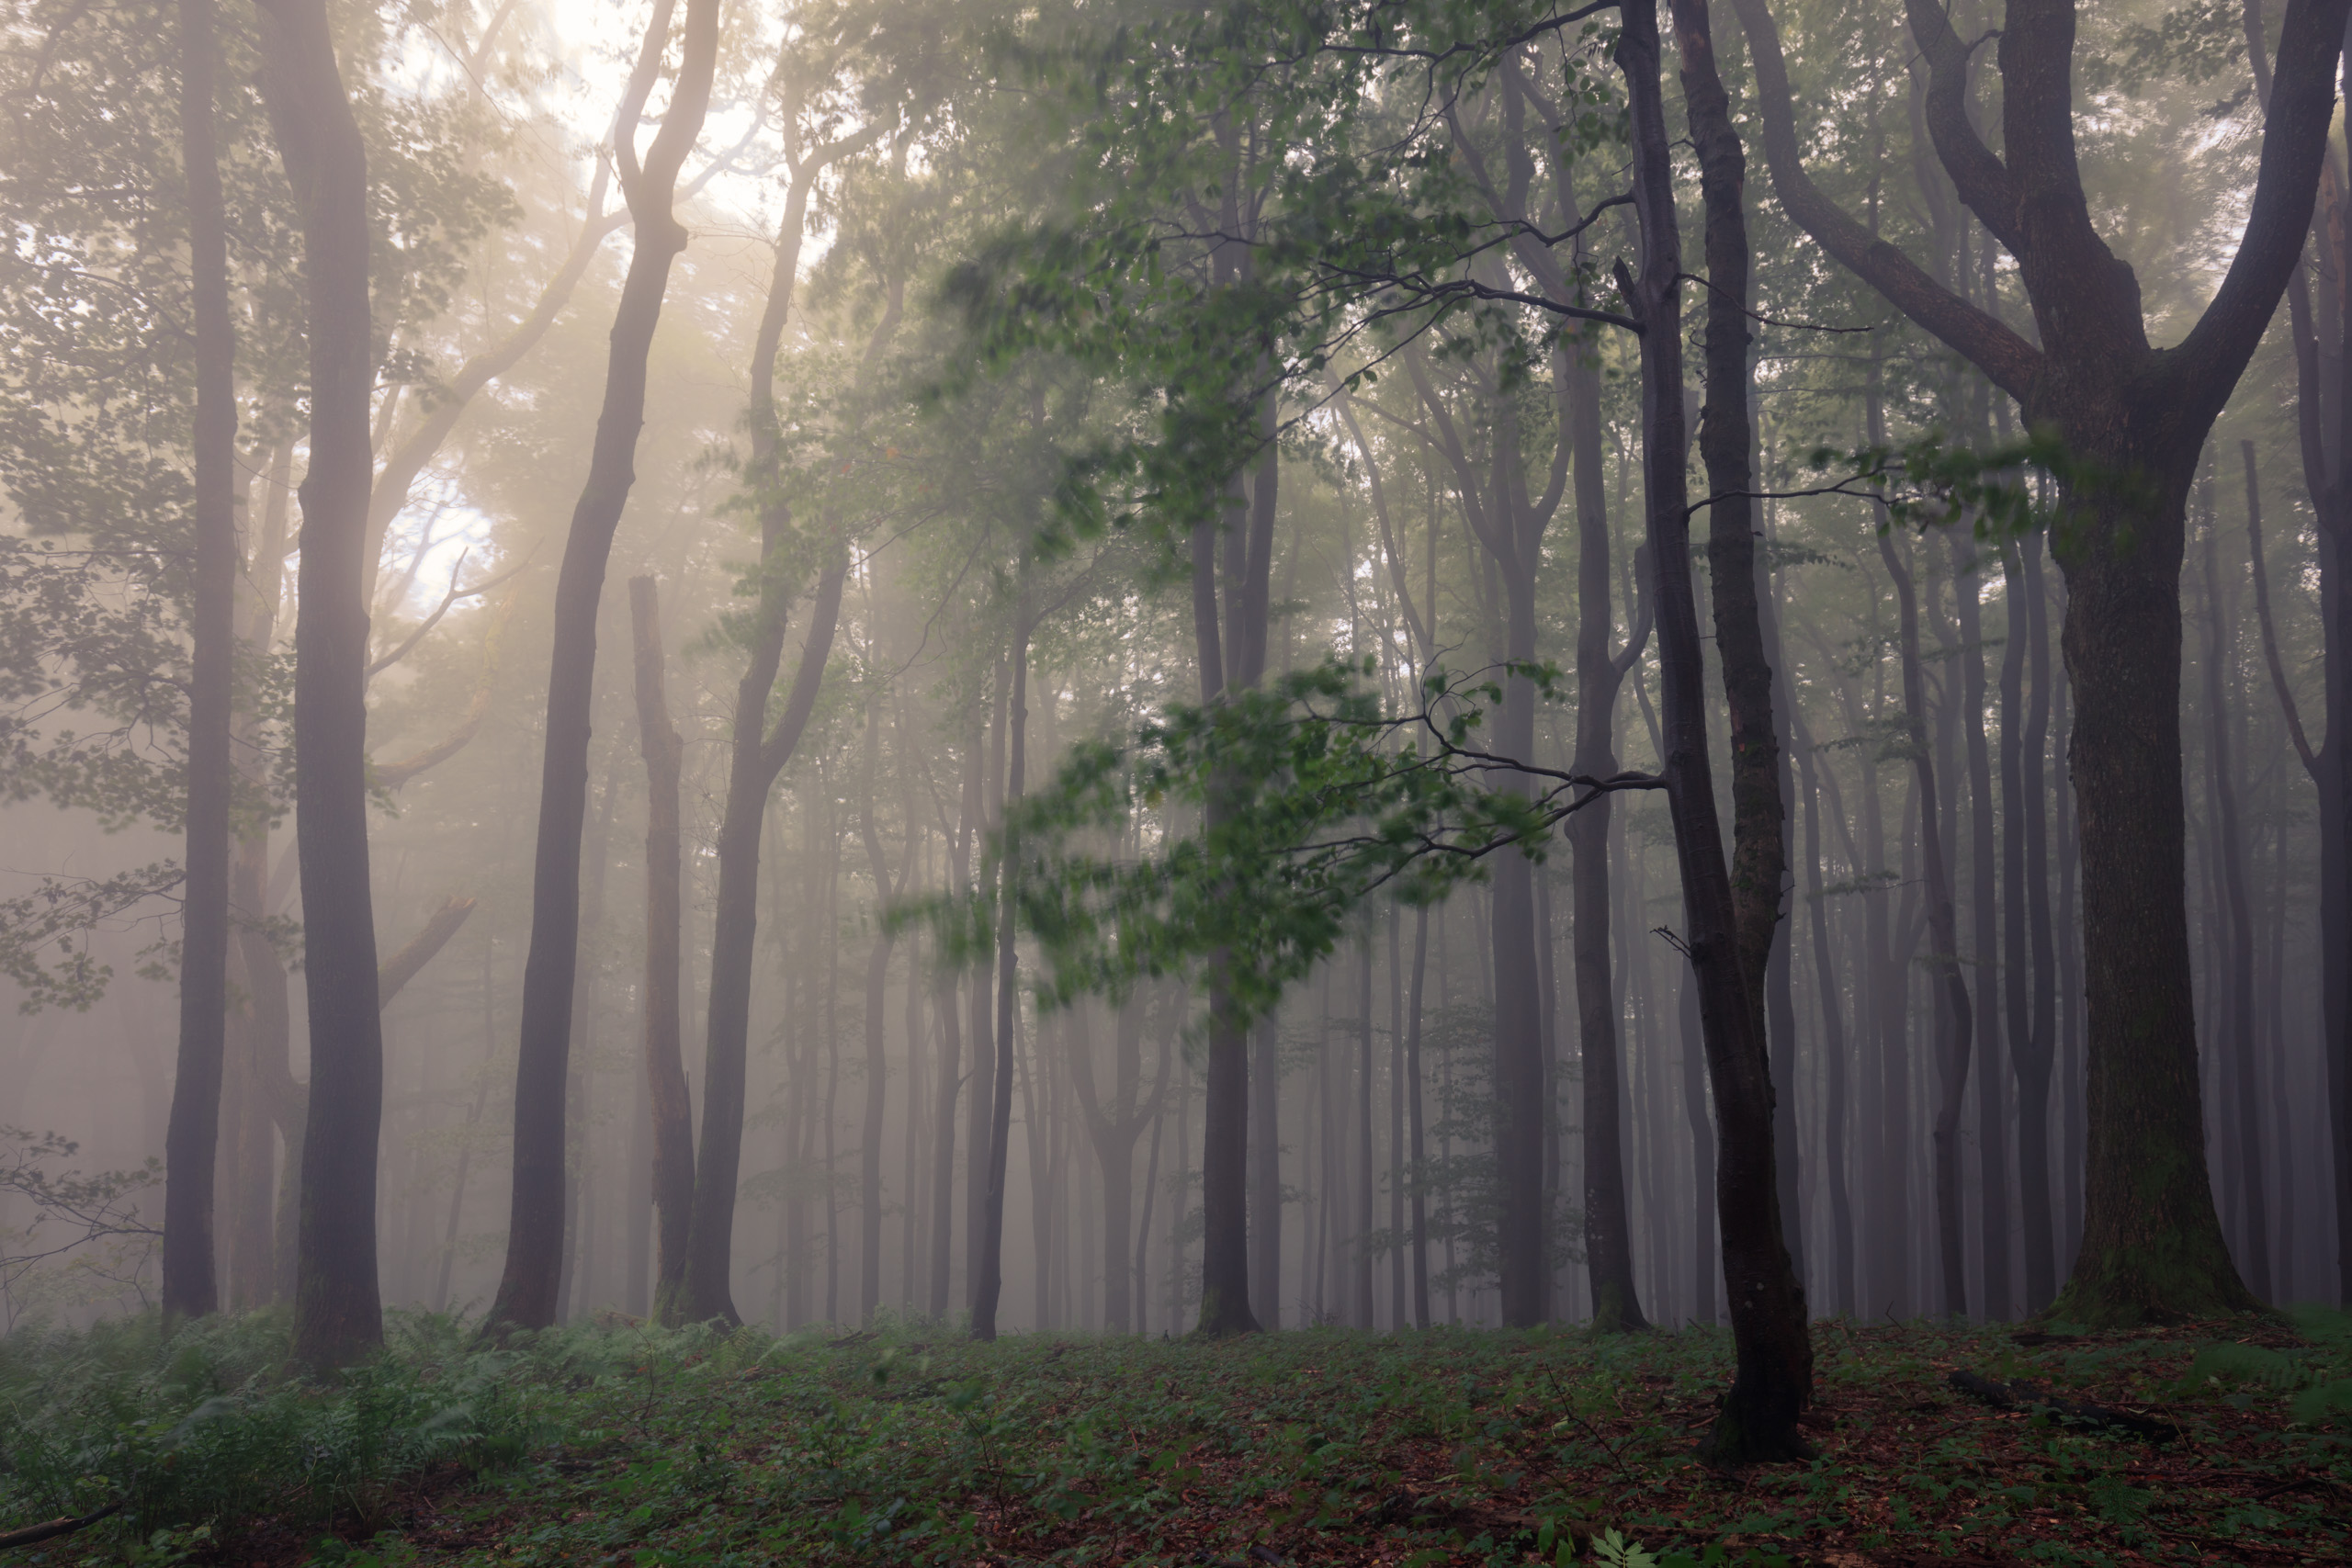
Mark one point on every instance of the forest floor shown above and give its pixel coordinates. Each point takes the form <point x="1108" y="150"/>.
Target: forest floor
<point x="1454" y="1446"/>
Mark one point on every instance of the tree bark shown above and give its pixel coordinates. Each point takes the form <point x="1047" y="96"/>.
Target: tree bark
<point x="338" y="1314"/>
<point x="527" y="1290"/>
<point x="2152" y="1244"/>
<point x="1774" y="1379"/>
<point x="191" y="1140"/>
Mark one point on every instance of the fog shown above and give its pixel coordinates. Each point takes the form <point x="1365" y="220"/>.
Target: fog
<point x="970" y="439"/>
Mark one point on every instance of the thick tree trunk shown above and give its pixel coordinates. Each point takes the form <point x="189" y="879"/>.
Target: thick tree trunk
<point x="527" y="1290"/>
<point x="338" y="1314"/>
<point x="670" y="1111"/>
<point x="1774" y="1381"/>
<point x="2152" y="1246"/>
<point x="192" y="1139"/>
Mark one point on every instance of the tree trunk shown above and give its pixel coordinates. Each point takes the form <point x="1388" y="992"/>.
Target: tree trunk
<point x="878" y="1074"/>
<point x="191" y="1142"/>
<point x="1266" y="1174"/>
<point x="2026" y="919"/>
<point x="2152" y="1246"/>
<point x="338" y="1314"/>
<point x="1833" y="1027"/>
<point x="527" y="1290"/>
<point x="1953" y="1026"/>
<point x="1992" y="1108"/>
<point x="988" y="1262"/>
<point x="671" y="1110"/>
<point x="2237" y="1044"/>
<point x="1774" y="1379"/>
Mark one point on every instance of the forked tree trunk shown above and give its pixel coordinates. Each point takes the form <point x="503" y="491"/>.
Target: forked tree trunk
<point x="528" y="1289"/>
<point x="2132" y="421"/>
<point x="338" y="1314"/>
<point x="191" y="1142"/>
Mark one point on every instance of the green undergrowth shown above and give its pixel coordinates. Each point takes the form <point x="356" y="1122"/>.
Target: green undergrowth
<point x="909" y="1444"/>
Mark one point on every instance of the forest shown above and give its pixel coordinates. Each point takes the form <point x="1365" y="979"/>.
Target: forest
<point x="1102" y="781"/>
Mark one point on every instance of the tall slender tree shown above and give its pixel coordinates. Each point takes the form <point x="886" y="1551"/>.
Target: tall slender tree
<point x="190" y="1144"/>
<point x="528" y="1288"/>
<point x="338" y="1313"/>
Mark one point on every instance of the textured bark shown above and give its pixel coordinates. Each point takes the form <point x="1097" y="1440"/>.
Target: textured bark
<point x="191" y="1140"/>
<point x="338" y="1314"/>
<point x="1774" y="1379"/>
<point x="669" y="1114"/>
<point x="2152" y="1246"/>
<point x="527" y="1290"/>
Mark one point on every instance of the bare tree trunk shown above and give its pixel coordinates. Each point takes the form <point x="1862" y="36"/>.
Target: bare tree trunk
<point x="527" y="1290"/>
<point x="2025" y="925"/>
<point x="670" y="1112"/>
<point x="1991" y="1108"/>
<point x="1833" y="1027"/>
<point x="988" y="1262"/>
<point x="2237" y="1041"/>
<point x="878" y="1074"/>
<point x="983" y="798"/>
<point x="1728" y="950"/>
<point x="192" y="1139"/>
<point x="338" y="1313"/>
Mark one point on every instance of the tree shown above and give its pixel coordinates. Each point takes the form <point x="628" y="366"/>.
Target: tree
<point x="665" y="1070"/>
<point x="2132" y="419"/>
<point x="191" y="1145"/>
<point x="527" y="1294"/>
<point x="337" y="1312"/>
<point x="1732" y="909"/>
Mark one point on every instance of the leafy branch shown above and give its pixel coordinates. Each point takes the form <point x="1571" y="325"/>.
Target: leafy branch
<point x="1145" y="860"/>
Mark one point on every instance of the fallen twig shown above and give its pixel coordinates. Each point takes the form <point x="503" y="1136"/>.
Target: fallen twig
<point x="33" y="1535"/>
<point x="2021" y="1395"/>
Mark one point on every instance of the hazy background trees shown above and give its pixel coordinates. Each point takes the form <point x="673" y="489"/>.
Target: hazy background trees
<point x="1053" y="394"/>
